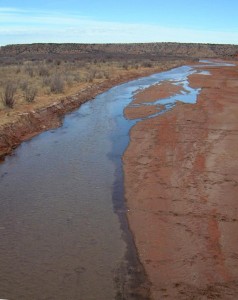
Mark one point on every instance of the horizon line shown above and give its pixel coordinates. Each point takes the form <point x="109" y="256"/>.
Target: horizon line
<point x="117" y="43"/>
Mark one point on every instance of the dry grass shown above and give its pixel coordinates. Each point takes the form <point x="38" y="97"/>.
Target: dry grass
<point x="40" y="82"/>
<point x="59" y="77"/>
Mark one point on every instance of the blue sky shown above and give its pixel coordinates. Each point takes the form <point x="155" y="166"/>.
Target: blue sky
<point x="82" y="21"/>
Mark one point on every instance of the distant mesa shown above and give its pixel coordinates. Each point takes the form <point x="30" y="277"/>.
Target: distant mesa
<point x="182" y="50"/>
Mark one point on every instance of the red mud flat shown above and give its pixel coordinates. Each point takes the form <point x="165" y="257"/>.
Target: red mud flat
<point x="181" y="182"/>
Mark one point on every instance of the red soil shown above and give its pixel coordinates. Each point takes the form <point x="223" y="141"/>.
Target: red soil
<point x="150" y="94"/>
<point x="181" y="180"/>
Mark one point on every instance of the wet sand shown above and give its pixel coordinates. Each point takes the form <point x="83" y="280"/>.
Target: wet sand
<point x="168" y="88"/>
<point x="137" y="109"/>
<point x="181" y="183"/>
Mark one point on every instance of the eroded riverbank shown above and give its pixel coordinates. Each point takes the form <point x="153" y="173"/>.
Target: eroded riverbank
<point x="181" y="184"/>
<point x="21" y="123"/>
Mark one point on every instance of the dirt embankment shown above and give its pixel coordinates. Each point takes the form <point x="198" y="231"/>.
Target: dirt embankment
<point x="30" y="121"/>
<point x="181" y="181"/>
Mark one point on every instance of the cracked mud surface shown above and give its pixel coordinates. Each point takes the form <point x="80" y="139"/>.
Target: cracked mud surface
<point x="181" y="182"/>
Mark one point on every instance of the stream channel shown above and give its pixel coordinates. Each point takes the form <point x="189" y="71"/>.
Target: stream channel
<point x="63" y="226"/>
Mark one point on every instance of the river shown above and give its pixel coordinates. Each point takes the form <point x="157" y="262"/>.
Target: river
<point x="63" y="224"/>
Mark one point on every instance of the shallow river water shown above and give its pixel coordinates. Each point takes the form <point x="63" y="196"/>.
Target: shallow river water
<point x="63" y="230"/>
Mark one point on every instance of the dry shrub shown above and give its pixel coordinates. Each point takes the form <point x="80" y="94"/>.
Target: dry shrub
<point x="125" y="66"/>
<point x="30" y="93"/>
<point x="29" y="70"/>
<point x="99" y="75"/>
<point x="46" y="81"/>
<point x="57" y="84"/>
<point x="91" y="75"/>
<point x="18" y="70"/>
<point x="8" y="94"/>
<point x="49" y="60"/>
<point x="147" y="64"/>
<point x="58" y="62"/>
<point x="106" y="74"/>
<point x="43" y="71"/>
<point x="77" y="77"/>
<point x="70" y="79"/>
<point x="23" y="85"/>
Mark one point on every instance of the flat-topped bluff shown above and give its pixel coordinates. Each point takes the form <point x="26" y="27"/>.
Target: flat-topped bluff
<point x="191" y="50"/>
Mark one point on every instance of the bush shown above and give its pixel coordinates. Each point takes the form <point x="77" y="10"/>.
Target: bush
<point x="57" y="84"/>
<point x="147" y="64"/>
<point x="91" y="75"/>
<point x="106" y="75"/>
<point x="99" y="75"/>
<point x="23" y="85"/>
<point x="58" y="62"/>
<point x="77" y="78"/>
<point x="46" y="81"/>
<point x="43" y="71"/>
<point x="29" y="70"/>
<point x="125" y="66"/>
<point x="18" y="70"/>
<point x="30" y="94"/>
<point x="8" y="95"/>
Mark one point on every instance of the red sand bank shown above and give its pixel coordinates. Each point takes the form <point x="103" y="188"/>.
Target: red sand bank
<point x="181" y="181"/>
